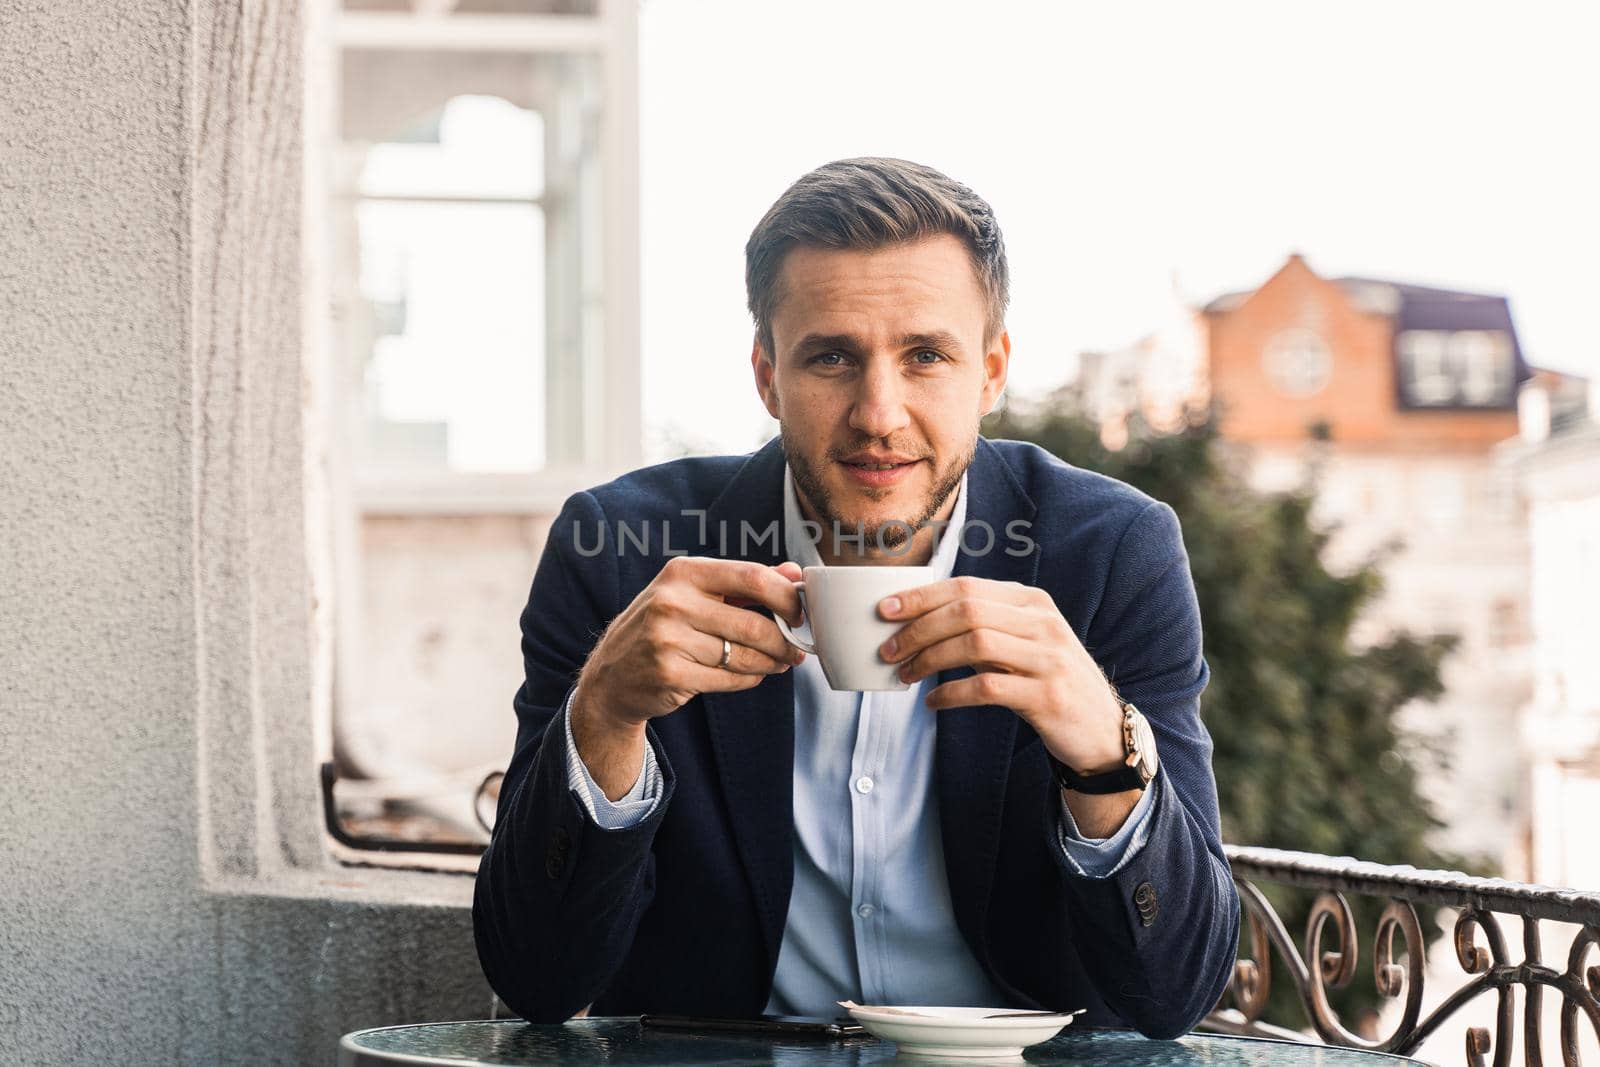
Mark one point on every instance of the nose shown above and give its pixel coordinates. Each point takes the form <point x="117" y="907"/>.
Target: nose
<point x="880" y="405"/>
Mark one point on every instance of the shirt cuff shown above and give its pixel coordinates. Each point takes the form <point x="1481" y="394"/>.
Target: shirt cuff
<point x="633" y="807"/>
<point x="1102" y="857"/>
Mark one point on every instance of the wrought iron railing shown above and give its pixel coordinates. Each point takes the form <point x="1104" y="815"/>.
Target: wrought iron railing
<point x="1329" y="958"/>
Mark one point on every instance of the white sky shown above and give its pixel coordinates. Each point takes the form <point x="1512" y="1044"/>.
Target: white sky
<point x="1123" y="145"/>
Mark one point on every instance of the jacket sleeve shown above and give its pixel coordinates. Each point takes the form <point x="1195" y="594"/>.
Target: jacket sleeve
<point x="558" y="898"/>
<point x="1159" y="936"/>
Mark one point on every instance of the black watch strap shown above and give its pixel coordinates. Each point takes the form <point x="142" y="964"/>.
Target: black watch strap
<point x="1120" y="780"/>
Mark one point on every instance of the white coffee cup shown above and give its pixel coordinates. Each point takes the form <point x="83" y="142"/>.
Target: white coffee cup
<point x="841" y="606"/>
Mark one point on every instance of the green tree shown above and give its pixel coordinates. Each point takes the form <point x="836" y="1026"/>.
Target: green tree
<point x="1309" y="755"/>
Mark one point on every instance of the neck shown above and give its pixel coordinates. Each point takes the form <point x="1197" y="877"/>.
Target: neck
<point x="848" y="553"/>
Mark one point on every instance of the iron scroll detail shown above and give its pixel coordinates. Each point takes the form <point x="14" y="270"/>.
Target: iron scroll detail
<point x="1330" y="957"/>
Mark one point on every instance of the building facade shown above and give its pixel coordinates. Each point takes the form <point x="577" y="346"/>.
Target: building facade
<point x="1560" y="479"/>
<point x="1395" y="401"/>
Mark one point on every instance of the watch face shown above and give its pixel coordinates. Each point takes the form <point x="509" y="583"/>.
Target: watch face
<point x="1144" y="741"/>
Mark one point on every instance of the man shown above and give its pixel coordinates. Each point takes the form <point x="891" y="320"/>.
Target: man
<point x="693" y="822"/>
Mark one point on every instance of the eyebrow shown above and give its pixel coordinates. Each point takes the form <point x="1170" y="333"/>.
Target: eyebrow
<point x="936" y="339"/>
<point x="822" y="342"/>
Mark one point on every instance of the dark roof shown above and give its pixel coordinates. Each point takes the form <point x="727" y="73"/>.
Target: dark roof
<point x="1423" y="307"/>
<point x="1418" y="307"/>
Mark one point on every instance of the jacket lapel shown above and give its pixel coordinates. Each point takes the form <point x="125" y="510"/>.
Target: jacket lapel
<point x="973" y="746"/>
<point x="752" y="732"/>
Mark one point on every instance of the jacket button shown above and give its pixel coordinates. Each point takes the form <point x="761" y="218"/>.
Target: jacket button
<point x="1144" y="898"/>
<point x="555" y="859"/>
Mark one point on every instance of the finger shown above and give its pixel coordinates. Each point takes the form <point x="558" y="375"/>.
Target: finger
<point x="743" y="627"/>
<point x="983" y="688"/>
<point x="747" y="582"/>
<point x="924" y="598"/>
<point x="792" y="571"/>
<point x="703" y="679"/>
<point x="706" y="650"/>
<point x="959" y="616"/>
<point x="984" y="650"/>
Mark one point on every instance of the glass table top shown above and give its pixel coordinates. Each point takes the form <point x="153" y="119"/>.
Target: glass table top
<point x="621" y="1040"/>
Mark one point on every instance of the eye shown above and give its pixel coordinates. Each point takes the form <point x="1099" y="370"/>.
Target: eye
<point x="827" y="359"/>
<point x="928" y="356"/>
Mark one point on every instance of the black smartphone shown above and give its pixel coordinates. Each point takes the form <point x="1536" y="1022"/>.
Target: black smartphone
<point x="789" y="1025"/>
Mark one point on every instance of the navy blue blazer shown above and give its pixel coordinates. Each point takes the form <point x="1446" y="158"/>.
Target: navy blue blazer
<point x="684" y="912"/>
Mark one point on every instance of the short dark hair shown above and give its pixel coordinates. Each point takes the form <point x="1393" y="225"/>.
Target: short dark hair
<point x="869" y="203"/>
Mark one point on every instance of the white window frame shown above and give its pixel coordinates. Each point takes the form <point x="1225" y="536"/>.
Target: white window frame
<point x="611" y="419"/>
<point x="612" y="410"/>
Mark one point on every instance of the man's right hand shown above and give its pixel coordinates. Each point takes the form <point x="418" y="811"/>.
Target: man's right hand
<point x="664" y="649"/>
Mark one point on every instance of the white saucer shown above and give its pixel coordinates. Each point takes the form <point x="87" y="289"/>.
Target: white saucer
<point x="959" y="1032"/>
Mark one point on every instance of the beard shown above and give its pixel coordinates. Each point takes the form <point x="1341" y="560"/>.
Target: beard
<point x="891" y="535"/>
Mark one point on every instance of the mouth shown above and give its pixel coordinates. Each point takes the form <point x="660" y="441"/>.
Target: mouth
<point x="878" y="472"/>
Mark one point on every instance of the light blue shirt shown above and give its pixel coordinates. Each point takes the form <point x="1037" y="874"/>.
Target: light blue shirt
<point x="870" y="916"/>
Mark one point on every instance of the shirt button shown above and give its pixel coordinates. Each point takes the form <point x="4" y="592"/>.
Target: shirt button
<point x="863" y="785"/>
<point x="865" y="911"/>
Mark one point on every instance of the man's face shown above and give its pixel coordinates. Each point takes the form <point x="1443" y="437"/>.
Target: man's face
<point x="879" y="375"/>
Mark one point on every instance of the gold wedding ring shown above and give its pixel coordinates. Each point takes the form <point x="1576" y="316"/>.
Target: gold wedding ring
<point x="727" y="653"/>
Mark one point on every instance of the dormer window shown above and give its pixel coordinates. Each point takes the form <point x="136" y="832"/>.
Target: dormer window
<point x="1485" y="359"/>
<point x="1424" y="366"/>
<point x="1454" y="368"/>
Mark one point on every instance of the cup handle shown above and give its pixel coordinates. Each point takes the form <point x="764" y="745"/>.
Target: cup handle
<point x="788" y="634"/>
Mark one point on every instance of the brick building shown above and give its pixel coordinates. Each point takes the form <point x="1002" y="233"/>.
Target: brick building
<point x="1402" y="403"/>
<point x="1386" y="366"/>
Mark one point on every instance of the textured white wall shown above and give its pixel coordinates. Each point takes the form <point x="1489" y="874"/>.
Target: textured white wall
<point x="165" y="896"/>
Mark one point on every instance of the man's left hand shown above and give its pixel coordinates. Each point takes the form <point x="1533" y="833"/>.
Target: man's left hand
<point x="1026" y="656"/>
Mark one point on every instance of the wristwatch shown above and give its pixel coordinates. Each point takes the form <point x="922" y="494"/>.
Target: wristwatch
<point x="1139" y="766"/>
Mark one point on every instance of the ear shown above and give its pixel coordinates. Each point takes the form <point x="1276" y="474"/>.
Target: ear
<point x="996" y="363"/>
<point x="761" y="364"/>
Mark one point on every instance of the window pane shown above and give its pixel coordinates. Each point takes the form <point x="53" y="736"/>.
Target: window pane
<point x="1423" y="367"/>
<point x="474" y="146"/>
<point x="456" y="377"/>
<point x="1485" y="361"/>
<point x="471" y="183"/>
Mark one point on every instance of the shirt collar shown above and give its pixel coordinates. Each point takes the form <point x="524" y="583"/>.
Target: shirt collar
<point x="801" y="550"/>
